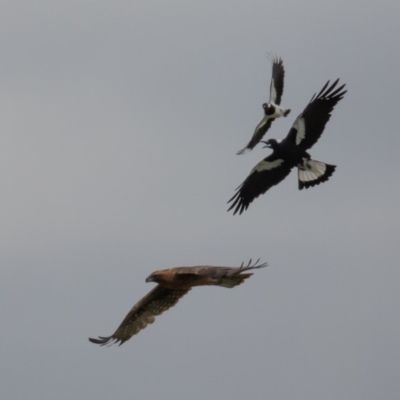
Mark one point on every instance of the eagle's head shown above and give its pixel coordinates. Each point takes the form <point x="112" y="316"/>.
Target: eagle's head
<point x="153" y="277"/>
<point x="163" y="277"/>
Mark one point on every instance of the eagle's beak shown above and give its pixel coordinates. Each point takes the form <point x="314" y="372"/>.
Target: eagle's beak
<point x="150" y="278"/>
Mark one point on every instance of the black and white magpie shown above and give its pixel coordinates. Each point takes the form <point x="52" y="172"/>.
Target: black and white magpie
<point x="291" y="152"/>
<point x="271" y="109"/>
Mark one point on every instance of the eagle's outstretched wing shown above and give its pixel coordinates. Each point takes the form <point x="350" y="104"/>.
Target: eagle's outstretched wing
<point x="227" y="277"/>
<point x="143" y="313"/>
<point x="309" y="125"/>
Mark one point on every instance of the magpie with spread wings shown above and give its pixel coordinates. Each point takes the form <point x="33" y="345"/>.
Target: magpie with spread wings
<point x="174" y="283"/>
<point x="292" y="151"/>
<point x="271" y="109"/>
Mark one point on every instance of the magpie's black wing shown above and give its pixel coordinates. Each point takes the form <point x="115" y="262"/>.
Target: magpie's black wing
<point x="264" y="175"/>
<point x="309" y="125"/>
<point x="277" y="81"/>
<point x="258" y="134"/>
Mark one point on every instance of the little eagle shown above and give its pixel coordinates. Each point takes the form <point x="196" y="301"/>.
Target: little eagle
<point x="174" y="283"/>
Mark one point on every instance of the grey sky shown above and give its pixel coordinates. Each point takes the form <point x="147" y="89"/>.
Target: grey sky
<point x="119" y="123"/>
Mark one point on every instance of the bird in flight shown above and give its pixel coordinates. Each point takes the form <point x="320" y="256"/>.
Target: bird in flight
<point x="291" y="151"/>
<point x="271" y="109"/>
<point x="174" y="283"/>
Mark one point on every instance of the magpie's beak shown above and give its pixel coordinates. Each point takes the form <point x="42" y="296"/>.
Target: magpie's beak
<point x="266" y="144"/>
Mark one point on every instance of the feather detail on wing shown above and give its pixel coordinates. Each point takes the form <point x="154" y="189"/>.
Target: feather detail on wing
<point x="228" y="277"/>
<point x="235" y="276"/>
<point x="265" y="174"/>
<point x="310" y="124"/>
<point x="143" y="313"/>
<point x="277" y="81"/>
<point x="259" y="132"/>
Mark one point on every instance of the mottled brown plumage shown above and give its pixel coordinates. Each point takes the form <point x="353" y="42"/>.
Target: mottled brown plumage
<point x="174" y="283"/>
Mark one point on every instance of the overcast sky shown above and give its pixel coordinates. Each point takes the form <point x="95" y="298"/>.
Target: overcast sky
<point x="119" y="127"/>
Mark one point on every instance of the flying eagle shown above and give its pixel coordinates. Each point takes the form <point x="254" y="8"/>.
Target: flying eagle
<point x="271" y="109"/>
<point x="291" y="152"/>
<point x="174" y="283"/>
